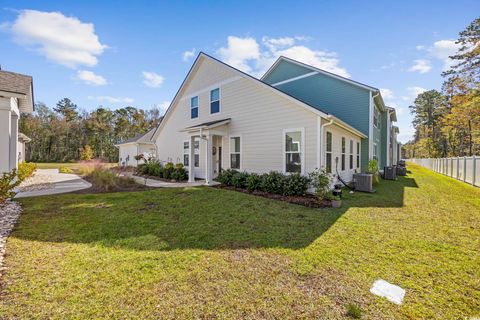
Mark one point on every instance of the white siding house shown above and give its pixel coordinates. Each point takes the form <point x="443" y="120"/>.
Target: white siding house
<point x="236" y="121"/>
<point x="16" y="96"/>
<point x="141" y="144"/>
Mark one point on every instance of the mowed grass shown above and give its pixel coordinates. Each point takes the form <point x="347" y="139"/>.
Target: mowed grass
<point x="212" y="253"/>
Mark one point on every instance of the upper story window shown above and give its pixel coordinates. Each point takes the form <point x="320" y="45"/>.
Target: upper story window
<point x="375" y="117"/>
<point x="328" y="153"/>
<point x="194" y="107"/>
<point x="215" y="101"/>
<point x="293" y="151"/>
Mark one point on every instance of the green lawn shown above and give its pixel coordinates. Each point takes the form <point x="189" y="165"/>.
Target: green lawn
<point x="211" y="253"/>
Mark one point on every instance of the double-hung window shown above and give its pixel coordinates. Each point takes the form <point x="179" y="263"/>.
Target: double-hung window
<point x="343" y="153"/>
<point x="235" y="153"/>
<point x="215" y="101"/>
<point x="328" y="153"/>
<point x="351" y="154"/>
<point x="186" y="153"/>
<point x="293" y="151"/>
<point x="375" y="151"/>
<point x="358" y="155"/>
<point x="196" y="153"/>
<point x="194" y="107"/>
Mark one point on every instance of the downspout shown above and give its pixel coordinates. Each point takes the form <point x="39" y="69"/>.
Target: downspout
<point x="370" y="129"/>
<point x="322" y="134"/>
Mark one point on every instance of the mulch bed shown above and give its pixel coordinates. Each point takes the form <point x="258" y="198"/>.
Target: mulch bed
<point x="308" y="200"/>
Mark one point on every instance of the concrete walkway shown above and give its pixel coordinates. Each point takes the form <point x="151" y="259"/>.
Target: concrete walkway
<point x="163" y="184"/>
<point x="56" y="183"/>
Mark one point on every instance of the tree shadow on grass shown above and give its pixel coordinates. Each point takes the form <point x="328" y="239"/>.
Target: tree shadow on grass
<point x="189" y="218"/>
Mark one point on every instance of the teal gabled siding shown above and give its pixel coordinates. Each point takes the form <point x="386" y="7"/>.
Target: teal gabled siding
<point x="346" y="101"/>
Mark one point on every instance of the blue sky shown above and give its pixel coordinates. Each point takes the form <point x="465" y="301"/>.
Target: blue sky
<point x="137" y="53"/>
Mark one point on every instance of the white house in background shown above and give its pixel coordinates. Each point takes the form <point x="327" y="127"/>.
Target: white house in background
<point x="140" y="144"/>
<point x="22" y="140"/>
<point x="16" y="96"/>
<point x="224" y="118"/>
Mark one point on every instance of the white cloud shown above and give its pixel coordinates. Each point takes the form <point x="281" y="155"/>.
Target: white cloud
<point x="250" y="56"/>
<point x="91" y="78"/>
<point x="239" y="52"/>
<point x="387" y="94"/>
<point x="111" y="99"/>
<point x="421" y="66"/>
<point x="420" y="47"/>
<point x="442" y="50"/>
<point x="64" y="40"/>
<point x="188" y="54"/>
<point x="152" y="79"/>
<point x="415" y="91"/>
<point x="163" y="106"/>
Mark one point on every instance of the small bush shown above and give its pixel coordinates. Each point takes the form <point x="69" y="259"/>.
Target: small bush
<point x="254" y="182"/>
<point x="8" y="182"/>
<point x="372" y="168"/>
<point x="225" y="176"/>
<point x="354" y="311"/>
<point x="25" y="170"/>
<point x="65" y="170"/>
<point x="320" y="180"/>
<point x="168" y="170"/>
<point x="239" y="180"/>
<point x="273" y="182"/>
<point x="295" y="185"/>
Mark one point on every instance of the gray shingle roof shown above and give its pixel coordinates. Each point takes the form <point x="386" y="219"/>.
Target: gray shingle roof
<point x="141" y="138"/>
<point x="20" y="84"/>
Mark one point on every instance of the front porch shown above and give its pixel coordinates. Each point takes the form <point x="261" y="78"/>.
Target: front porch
<point x="213" y="135"/>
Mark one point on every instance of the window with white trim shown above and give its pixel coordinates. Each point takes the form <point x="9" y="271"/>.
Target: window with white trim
<point x="186" y="153"/>
<point x="215" y="101"/>
<point x="235" y="153"/>
<point x="196" y="153"/>
<point x="351" y="155"/>
<point x="293" y="151"/>
<point x="375" y="151"/>
<point x="375" y="117"/>
<point x="328" y="153"/>
<point x="343" y="153"/>
<point x="358" y="155"/>
<point x="194" y="107"/>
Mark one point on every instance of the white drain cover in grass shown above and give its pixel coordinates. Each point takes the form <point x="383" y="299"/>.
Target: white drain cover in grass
<point x="390" y="291"/>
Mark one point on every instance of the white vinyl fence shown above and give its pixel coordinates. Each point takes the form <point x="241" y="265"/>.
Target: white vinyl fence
<point x="466" y="169"/>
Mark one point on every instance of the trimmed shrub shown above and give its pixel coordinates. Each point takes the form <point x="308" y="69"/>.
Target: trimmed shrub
<point x="295" y="185"/>
<point x="8" y="182"/>
<point x="225" y="176"/>
<point x="65" y="170"/>
<point x="168" y="170"/>
<point x="25" y="170"/>
<point x="254" y="182"/>
<point x="179" y="173"/>
<point x="273" y="182"/>
<point x="239" y="180"/>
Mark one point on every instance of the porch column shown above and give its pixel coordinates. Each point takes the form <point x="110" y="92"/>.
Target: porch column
<point x="209" y="162"/>
<point x="14" y="142"/>
<point x="5" y="136"/>
<point x="191" y="160"/>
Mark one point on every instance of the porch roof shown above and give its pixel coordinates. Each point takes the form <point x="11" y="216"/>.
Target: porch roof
<point x="208" y="125"/>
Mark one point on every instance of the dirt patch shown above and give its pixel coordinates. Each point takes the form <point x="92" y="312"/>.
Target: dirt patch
<point x="309" y="201"/>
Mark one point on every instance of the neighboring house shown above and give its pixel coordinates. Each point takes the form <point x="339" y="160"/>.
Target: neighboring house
<point x="141" y="144"/>
<point x="22" y="140"/>
<point x="223" y="118"/>
<point x="357" y="104"/>
<point x="16" y="97"/>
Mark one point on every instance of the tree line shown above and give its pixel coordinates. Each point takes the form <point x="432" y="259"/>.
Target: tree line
<point x="447" y="122"/>
<point x="59" y="134"/>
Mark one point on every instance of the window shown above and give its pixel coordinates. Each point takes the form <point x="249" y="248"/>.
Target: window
<point x="235" y="152"/>
<point x="215" y="101"/>
<point x="194" y="107"/>
<point x="328" y="154"/>
<point x="358" y="154"/>
<point x="375" y="117"/>
<point x="186" y="153"/>
<point x="351" y="154"/>
<point x="375" y="151"/>
<point x="343" y="153"/>
<point x="293" y="151"/>
<point x="196" y="151"/>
